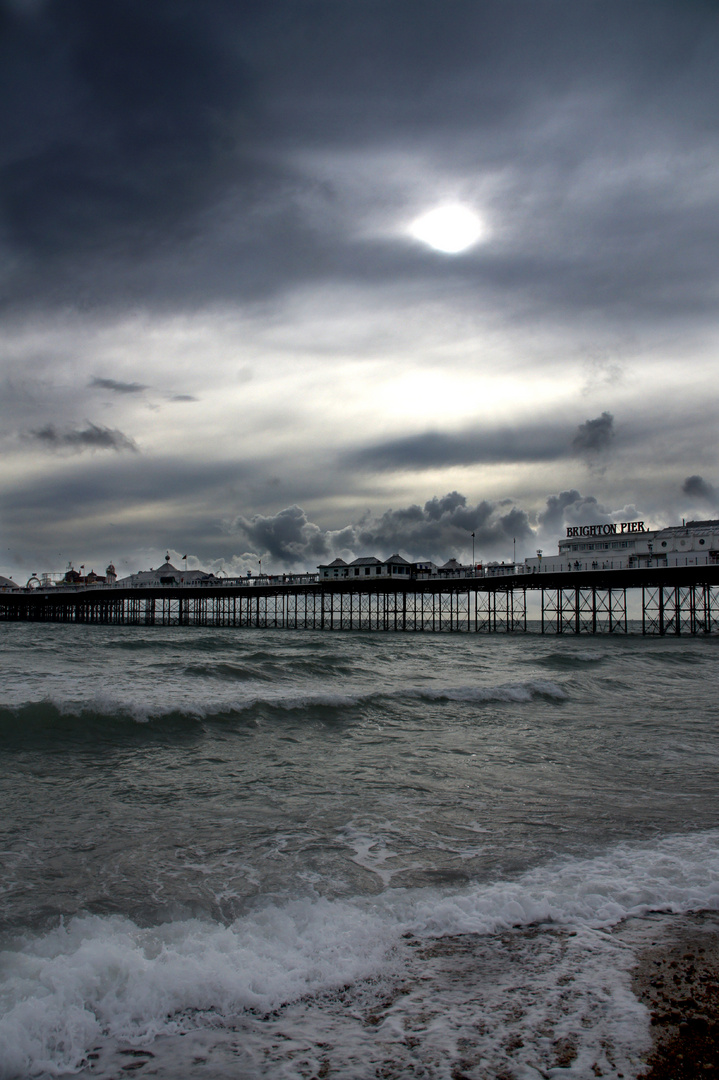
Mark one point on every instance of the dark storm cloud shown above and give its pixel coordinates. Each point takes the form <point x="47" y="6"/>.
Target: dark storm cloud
<point x="444" y="526"/>
<point x="109" y="496"/>
<point x="122" y="121"/>
<point x="508" y="444"/>
<point x="149" y="152"/>
<point x="116" y="131"/>
<point x="572" y="508"/>
<point x="92" y="437"/>
<point x="117" y="387"/>
<point x="594" y="438"/>
<point x="288" y="536"/>
<point x="552" y="517"/>
<point x="440" y="529"/>
<point x="434" y="450"/>
<point x="700" y="489"/>
<point x="100" y="487"/>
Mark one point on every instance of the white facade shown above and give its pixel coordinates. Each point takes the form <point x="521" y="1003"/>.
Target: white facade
<point x="629" y="545"/>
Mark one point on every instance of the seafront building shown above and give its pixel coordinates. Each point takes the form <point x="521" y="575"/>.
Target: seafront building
<point x="368" y="566"/>
<point x="364" y="567"/>
<point x="167" y="574"/>
<point x="74" y="577"/>
<point x="629" y="545"/>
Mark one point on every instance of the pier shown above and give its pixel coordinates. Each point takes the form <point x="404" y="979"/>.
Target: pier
<point x="673" y="600"/>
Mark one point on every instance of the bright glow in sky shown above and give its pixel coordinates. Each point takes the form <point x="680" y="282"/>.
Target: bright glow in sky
<point x="451" y="229"/>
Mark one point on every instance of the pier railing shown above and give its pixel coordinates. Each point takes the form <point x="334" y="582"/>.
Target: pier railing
<point x="674" y="600"/>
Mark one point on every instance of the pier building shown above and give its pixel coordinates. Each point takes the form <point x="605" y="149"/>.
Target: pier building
<point x="367" y="566"/>
<point x="628" y="545"/>
<point x="167" y="574"/>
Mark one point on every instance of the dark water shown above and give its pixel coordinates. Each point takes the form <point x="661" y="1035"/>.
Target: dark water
<point x="295" y="854"/>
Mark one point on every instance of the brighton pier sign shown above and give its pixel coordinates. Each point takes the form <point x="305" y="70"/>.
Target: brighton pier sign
<point x="606" y="530"/>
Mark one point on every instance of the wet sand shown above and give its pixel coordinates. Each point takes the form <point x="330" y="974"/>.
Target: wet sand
<point x="677" y="978"/>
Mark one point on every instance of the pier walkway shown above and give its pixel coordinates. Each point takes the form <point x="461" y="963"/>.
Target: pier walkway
<point x="674" y="600"/>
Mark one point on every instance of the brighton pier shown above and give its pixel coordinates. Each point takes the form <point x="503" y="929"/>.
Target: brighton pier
<point x="668" y="600"/>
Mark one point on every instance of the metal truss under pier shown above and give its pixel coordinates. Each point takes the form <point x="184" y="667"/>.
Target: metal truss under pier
<point x="676" y="600"/>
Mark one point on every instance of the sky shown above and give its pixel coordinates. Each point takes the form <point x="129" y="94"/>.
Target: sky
<point x="228" y="332"/>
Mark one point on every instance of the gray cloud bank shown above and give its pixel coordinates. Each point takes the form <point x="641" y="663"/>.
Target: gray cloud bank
<point x="436" y="530"/>
<point x="525" y="443"/>
<point x="163" y="153"/>
<point x="439" y="529"/>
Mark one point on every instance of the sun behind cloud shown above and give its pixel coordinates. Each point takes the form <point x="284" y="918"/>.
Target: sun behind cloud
<point x="451" y="228"/>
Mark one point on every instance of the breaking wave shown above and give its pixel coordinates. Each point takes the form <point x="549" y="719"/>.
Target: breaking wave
<point x="98" y="978"/>
<point x="104" y="710"/>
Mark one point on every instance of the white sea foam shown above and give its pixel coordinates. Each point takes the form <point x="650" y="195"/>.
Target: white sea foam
<point x="98" y="979"/>
<point x="373" y="852"/>
<point x="676" y="874"/>
<point x="106" y="977"/>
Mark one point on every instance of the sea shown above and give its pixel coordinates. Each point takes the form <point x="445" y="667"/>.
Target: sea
<point x="248" y="853"/>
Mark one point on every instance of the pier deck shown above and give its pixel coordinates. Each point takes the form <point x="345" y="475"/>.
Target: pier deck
<point x="674" y="600"/>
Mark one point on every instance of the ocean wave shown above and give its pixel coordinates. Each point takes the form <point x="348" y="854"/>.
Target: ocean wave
<point x="266" y="670"/>
<point x="60" y="719"/>
<point x="177" y="639"/>
<point x="521" y="691"/>
<point x="226" y="671"/>
<point x="676" y="874"/>
<point x="567" y="659"/>
<point x="100" y="978"/>
<point x="106" y="713"/>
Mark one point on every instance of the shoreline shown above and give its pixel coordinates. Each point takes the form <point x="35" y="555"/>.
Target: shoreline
<point x="677" y="978"/>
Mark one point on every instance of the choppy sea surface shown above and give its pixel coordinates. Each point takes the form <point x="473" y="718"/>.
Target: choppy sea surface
<point x="295" y="854"/>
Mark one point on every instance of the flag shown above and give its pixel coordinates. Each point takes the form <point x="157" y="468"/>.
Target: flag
<point x="184" y="556"/>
